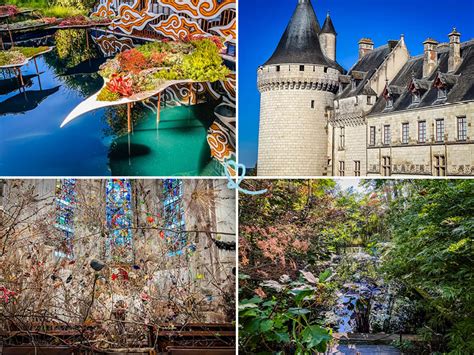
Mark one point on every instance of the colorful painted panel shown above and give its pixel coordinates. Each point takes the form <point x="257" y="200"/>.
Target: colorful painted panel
<point x="172" y="18"/>
<point x="119" y="243"/>
<point x="180" y="19"/>
<point x="66" y="199"/>
<point x="173" y="214"/>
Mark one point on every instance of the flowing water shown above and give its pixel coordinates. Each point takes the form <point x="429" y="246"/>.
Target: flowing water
<point x="362" y="303"/>
<point x="31" y="142"/>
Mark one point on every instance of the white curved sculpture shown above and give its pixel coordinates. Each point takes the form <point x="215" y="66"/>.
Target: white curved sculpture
<point x="92" y="104"/>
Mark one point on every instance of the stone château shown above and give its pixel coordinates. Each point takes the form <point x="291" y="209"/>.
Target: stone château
<point x="390" y="114"/>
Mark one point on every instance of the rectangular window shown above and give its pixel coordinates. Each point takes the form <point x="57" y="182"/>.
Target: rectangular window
<point x="369" y="100"/>
<point x="372" y="135"/>
<point x="405" y="133"/>
<point x="440" y="130"/>
<point x="119" y="242"/>
<point x="462" y="129"/>
<point x="422" y="132"/>
<point x="301" y="67"/>
<point x="342" y="138"/>
<point x="325" y="69"/>
<point x="442" y="93"/>
<point x="66" y="200"/>
<point x="387" y="166"/>
<point x="312" y="103"/>
<point x="342" y="168"/>
<point x="387" y="138"/>
<point x="173" y="215"/>
<point x="356" y="168"/>
<point x="416" y="98"/>
<point x="277" y="68"/>
<point x="440" y="165"/>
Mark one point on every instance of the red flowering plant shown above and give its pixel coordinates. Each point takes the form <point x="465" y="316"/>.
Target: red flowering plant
<point x="74" y="21"/>
<point x="120" y="85"/>
<point x="157" y="59"/>
<point x="132" y="60"/>
<point x="9" y="10"/>
<point x="50" y="20"/>
<point x="6" y="294"/>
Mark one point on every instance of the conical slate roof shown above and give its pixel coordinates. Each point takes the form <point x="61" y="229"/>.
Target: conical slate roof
<point x="328" y="26"/>
<point x="300" y="42"/>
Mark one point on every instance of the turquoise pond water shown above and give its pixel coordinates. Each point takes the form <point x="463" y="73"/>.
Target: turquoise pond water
<point x="32" y="144"/>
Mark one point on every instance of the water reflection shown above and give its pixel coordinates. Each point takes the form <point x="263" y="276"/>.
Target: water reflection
<point x="97" y="144"/>
<point x="25" y="101"/>
<point x="12" y="84"/>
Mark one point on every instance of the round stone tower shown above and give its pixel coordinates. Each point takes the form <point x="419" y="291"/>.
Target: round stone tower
<point x="297" y="86"/>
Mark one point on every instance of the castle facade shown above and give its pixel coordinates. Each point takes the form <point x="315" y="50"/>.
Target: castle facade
<point x="391" y="114"/>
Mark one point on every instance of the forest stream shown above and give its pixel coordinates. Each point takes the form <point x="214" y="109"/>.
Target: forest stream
<point x="363" y="304"/>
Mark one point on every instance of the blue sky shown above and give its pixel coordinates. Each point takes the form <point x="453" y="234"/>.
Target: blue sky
<point x="262" y="22"/>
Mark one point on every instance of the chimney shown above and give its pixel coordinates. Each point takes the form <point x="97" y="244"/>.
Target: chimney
<point x="454" y="51"/>
<point x="430" y="61"/>
<point x="366" y="45"/>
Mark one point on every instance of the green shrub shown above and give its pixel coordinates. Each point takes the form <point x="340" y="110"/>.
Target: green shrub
<point x="107" y="95"/>
<point x="11" y="57"/>
<point x="29" y="52"/>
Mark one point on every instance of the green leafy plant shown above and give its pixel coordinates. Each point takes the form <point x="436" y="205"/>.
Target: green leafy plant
<point x="11" y="57"/>
<point x="29" y="52"/>
<point x="106" y="95"/>
<point x="282" y="322"/>
<point x="150" y="64"/>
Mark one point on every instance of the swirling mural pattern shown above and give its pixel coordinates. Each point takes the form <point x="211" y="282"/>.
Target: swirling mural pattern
<point x="178" y="28"/>
<point x="110" y="44"/>
<point x="104" y="10"/>
<point x="219" y="141"/>
<point x="199" y="8"/>
<point x="132" y="18"/>
<point x="227" y="31"/>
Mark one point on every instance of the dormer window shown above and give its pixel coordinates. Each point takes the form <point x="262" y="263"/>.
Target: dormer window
<point x="416" y="98"/>
<point x="444" y="83"/>
<point x="387" y="94"/>
<point x="442" y="93"/>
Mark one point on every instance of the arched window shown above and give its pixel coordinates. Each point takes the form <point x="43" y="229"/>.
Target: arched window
<point x="119" y="243"/>
<point x="66" y="199"/>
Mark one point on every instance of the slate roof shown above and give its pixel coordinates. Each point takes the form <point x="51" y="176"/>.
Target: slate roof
<point x="300" y="42"/>
<point x="328" y="26"/>
<point x="460" y="83"/>
<point x="363" y="71"/>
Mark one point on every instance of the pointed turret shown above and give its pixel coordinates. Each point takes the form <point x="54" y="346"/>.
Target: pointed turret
<point x="328" y="26"/>
<point x="300" y="42"/>
<point x="327" y="38"/>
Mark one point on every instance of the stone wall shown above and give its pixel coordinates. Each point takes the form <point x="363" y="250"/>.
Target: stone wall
<point x="420" y="159"/>
<point x="293" y="119"/>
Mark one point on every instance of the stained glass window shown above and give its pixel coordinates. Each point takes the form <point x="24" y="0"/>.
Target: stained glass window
<point x="66" y="199"/>
<point x="173" y="215"/>
<point x="119" y="243"/>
